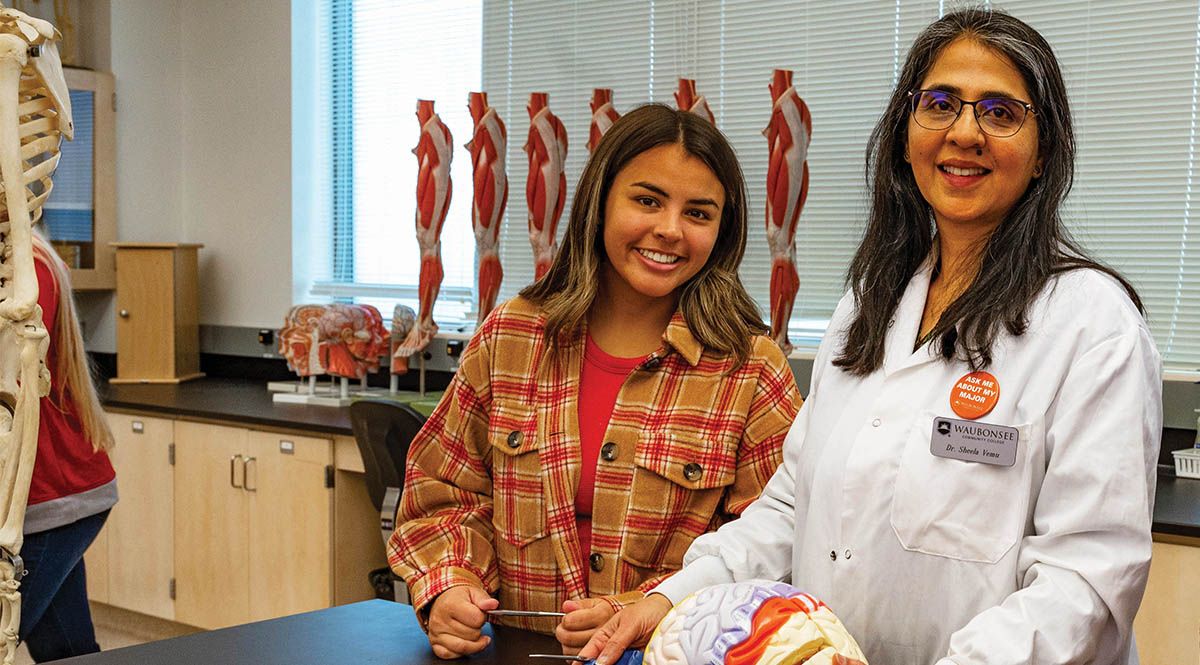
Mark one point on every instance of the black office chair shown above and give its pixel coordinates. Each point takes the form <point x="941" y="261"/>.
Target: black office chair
<point x="383" y="431"/>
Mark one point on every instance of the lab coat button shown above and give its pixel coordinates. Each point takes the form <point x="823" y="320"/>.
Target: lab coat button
<point x="875" y="423"/>
<point x="608" y="451"/>
<point x="514" y="439"/>
<point x="693" y="471"/>
<point x="832" y="555"/>
<point x="847" y="554"/>
<point x="596" y="561"/>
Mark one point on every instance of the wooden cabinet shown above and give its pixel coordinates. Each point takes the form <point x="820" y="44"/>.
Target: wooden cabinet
<point x="290" y="517"/>
<point x="220" y="525"/>
<point x="158" y="329"/>
<point x="211" y="551"/>
<point x="131" y="562"/>
<point x="141" y="526"/>
<point x="253" y="525"/>
<point x="81" y="216"/>
<point x="1167" y="627"/>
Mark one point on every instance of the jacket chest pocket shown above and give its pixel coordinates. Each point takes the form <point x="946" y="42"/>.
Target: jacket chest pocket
<point x="518" y="515"/>
<point x="676" y="491"/>
<point x="969" y="511"/>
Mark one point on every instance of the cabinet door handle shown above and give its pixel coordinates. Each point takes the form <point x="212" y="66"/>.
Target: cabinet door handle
<point x="233" y="472"/>
<point x="246" y="474"/>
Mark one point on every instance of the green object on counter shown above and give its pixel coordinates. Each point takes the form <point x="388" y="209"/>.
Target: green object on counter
<point x="425" y="407"/>
<point x="422" y="404"/>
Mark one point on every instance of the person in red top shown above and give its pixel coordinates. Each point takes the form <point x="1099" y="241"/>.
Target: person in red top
<point x="624" y="404"/>
<point x="73" y="486"/>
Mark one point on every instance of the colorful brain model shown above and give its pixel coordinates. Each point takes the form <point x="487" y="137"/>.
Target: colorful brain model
<point x="750" y="623"/>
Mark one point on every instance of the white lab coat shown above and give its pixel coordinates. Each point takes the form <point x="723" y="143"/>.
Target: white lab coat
<point x="932" y="560"/>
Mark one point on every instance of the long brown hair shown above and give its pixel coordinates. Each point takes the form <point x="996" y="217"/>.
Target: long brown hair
<point x="719" y="312"/>
<point x="71" y="377"/>
<point x="1029" y="247"/>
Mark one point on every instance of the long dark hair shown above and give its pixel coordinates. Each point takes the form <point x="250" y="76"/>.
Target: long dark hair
<point x="719" y="312"/>
<point x="1029" y="247"/>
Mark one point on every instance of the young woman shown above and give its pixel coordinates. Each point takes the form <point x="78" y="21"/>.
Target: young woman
<point x="73" y="485"/>
<point x="624" y="404"/>
<point x="971" y="478"/>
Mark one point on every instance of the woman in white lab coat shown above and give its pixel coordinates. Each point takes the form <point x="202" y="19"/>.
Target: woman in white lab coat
<point x="971" y="478"/>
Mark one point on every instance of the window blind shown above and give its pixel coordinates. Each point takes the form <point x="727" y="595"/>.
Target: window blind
<point x="1133" y="72"/>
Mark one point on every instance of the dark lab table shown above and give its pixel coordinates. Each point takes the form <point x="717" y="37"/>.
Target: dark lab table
<point x="374" y="632"/>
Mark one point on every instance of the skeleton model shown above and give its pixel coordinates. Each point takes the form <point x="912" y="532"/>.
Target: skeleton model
<point x="546" y="187"/>
<point x="487" y="146"/>
<point x="603" y="116"/>
<point x="434" y="151"/>
<point x="788" y="135"/>
<point x="35" y="113"/>
<point x="688" y="100"/>
<point x="750" y="623"/>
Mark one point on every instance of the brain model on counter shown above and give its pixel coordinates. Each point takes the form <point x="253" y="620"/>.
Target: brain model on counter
<point x="758" y="622"/>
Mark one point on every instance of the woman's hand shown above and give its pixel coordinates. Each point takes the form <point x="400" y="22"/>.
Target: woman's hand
<point x="584" y="617"/>
<point x="455" y="620"/>
<point x="632" y="626"/>
<point x="839" y="659"/>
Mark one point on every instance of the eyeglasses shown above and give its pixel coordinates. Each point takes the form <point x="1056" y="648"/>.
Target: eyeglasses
<point x="997" y="116"/>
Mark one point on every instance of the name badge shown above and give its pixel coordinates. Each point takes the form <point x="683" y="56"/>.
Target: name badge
<point x="973" y="441"/>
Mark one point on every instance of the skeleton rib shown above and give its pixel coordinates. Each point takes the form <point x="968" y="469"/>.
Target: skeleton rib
<point x="35" y="105"/>
<point x="39" y="145"/>
<point x="43" y="169"/>
<point x="42" y="125"/>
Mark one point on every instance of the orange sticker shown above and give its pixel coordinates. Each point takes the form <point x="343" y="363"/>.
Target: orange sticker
<point x="975" y="395"/>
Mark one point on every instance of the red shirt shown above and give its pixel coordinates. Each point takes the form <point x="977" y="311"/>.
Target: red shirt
<point x="600" y="379"/>
<point x="66" y="462"/>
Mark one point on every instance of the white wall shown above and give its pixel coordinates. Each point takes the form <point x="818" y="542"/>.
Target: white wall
<point x="204" y="150"/>
<point x="236" y="140"/>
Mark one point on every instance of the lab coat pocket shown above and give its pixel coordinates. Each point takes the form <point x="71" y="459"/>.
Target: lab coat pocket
<point x="969" y="511"/>
<point x="519" y="515"/>
<point x="677" y="489"/>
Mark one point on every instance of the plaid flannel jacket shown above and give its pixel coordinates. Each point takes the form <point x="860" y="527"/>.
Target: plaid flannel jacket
<point x="489" y="491"/>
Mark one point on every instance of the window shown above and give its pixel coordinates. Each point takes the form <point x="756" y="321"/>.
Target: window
<point x="1133" y="73"/>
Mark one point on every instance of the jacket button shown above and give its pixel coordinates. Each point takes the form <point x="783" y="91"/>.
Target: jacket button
<point x="653" y="362"/>
<point x="693" y="471"/>
<point x="596" y="561"/>
<point x="832" y="555"/>
<point x="846" y="554"/>
<point x="608" y="452"/>
<point x="514" y="439"/>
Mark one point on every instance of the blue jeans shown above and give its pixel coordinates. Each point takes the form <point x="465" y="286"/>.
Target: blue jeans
<point x="55" y="619"/>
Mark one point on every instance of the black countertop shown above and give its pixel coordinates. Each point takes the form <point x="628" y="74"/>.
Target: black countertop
<point x="1176" y="506"/>
<point x="236" y="400"/>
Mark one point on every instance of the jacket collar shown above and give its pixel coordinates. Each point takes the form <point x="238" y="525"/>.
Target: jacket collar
<point x="679" y="337"/>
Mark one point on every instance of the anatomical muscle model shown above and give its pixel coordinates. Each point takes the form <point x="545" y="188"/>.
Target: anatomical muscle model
<point x="341" y="340"/>
<point x="688" y="100"/>
<point x="488" y="144"/>
<point x="35" y="114"/>
<point x="403" y="321"/>
<point x="434" y="151"/>
<point x="788" y="135"/>
<point x="603" y="116"/>
<point x="546" y="187"/>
